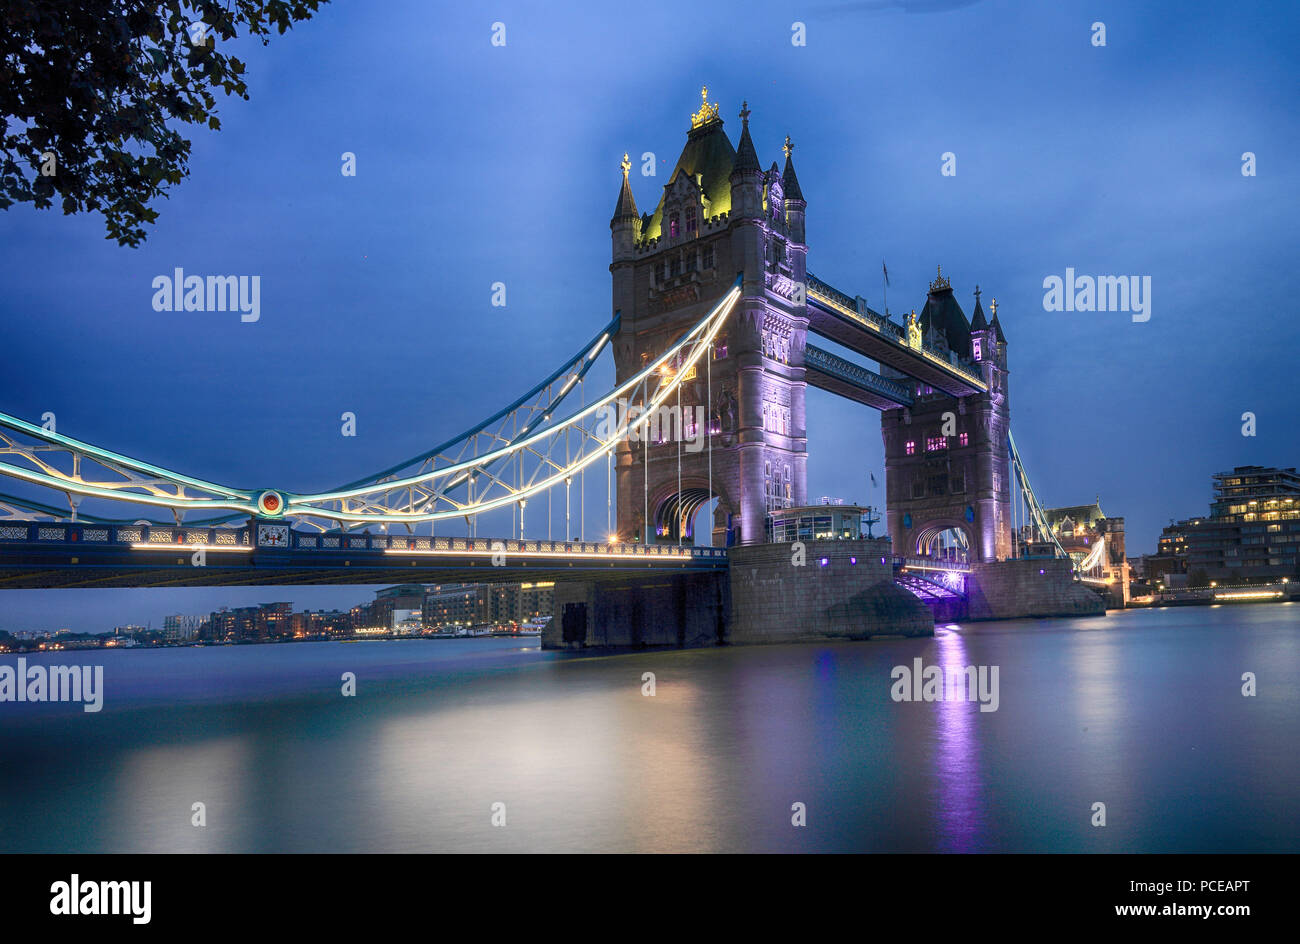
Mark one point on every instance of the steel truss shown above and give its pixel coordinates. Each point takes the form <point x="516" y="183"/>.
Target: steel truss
<point x="538" y="442"/>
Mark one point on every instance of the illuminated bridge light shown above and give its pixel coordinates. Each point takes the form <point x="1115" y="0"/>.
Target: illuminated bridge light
<point x="599" y="552"/>
<point x="143" y="546"/>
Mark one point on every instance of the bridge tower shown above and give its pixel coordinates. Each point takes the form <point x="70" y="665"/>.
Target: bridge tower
<point x="719" y="214"/>
<point x="947" y="469"/>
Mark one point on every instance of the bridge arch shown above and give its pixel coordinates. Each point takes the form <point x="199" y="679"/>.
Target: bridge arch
<point x="946" y="538"/>
<point x="674" y="513"/>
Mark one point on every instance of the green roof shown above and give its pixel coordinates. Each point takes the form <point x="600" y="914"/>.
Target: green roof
<point x="707" y="157"/>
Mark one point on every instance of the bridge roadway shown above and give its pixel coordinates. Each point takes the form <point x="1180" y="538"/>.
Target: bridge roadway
<point x="37" y="555"/>
<point x="834" y="315"/>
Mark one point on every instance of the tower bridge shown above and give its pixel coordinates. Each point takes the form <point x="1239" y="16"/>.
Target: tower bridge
<point x="712" y="308"/>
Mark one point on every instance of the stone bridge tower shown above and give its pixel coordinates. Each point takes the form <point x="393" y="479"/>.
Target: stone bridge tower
<point x="720" y="213"/>
<point x="947" y="468"/>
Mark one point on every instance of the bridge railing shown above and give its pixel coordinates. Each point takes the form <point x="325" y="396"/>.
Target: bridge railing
<point x="847" y="370"/>
<point x="150" y="537"/>
<point x="931" y="563"/>
<point x="135" y="535"/>
<point x="827" y="295"/>
<point x="849" y="306"/>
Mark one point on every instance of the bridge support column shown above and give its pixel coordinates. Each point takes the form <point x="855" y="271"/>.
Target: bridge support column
<point x="639" y="612"/>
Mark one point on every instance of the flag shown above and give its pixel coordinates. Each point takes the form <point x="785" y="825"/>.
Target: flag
<point x="873" y="479"/>
<point x="884" y="269"/>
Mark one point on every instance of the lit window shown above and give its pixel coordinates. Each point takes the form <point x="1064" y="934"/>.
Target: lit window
<point x="935" y="443"/>
<point x="963" y="439"/>
<point x="673" y="225"/>
<point x="911" y="447"/>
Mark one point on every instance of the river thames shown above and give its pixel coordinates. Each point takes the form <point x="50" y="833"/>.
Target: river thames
<point x="1141" y="710"/>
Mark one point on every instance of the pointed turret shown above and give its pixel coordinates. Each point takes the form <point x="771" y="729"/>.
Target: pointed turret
<point x="788" y="178"/>
<point x="997" y="328"/>
<point x="983" y="340"/>
<point x="746" y="175"/>
<point x="625" y="227"/>
<point x="977" y="321"/>
<point x="746" y="156"/>
<point x="625" y="209"/>
<point x="795" y="205"/>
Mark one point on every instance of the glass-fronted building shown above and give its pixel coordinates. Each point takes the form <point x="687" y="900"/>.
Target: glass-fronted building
<point x="817" y="523"/>
<point x="1253" y="531"/>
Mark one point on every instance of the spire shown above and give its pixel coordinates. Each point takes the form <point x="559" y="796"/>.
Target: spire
<point x="994" y="325"/>
<point x="625" y="209"/>
<point x="977" y="321"/>
<point x="788" y="180"/>
<point x="746" y="157"/>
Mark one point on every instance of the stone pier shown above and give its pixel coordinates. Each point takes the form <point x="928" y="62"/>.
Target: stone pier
<point x="843" y="590"/>
<point x="1028" y="588"/>
<point x="771" y="594"/>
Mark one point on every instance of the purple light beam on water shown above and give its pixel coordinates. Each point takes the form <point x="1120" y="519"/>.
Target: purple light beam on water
<point x="962" y="817"/>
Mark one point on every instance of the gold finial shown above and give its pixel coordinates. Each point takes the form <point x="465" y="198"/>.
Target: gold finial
<point x="707" y="112"/>
<point x="939" y="283"/>
<point x="994" y="306"/>
<point x="625" y="164"/>
<point x="788" y="147"/>
<point x="744" y="112"/>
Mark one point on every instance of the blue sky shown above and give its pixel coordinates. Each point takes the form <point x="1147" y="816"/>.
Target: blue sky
<point x="478" y="164"/>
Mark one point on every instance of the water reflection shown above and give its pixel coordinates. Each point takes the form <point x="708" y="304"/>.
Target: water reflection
<point x="1142" y="710"/>
<point x="960" y="806"/>
<point x="150" y="808"/>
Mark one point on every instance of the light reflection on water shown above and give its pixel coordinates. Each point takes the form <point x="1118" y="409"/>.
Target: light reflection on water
<point x="957" y="774"/>
<point x="1140" y="710"/>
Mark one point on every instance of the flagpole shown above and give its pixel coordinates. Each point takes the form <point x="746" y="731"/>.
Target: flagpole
<point x="885" y="286"/>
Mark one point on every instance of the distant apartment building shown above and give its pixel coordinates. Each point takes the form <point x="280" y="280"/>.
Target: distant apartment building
<point x="393" y="605"/>
<point x="180" y="628"/>
<point x="456" y="605"/>
<point x="1252" y="533"/>
<point x="317" y="623"/>
<point x="1167" y="567"/>
<point x="535" y="600"/>
<point x="487" y="604"/>
<point x="250" y="623"/>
